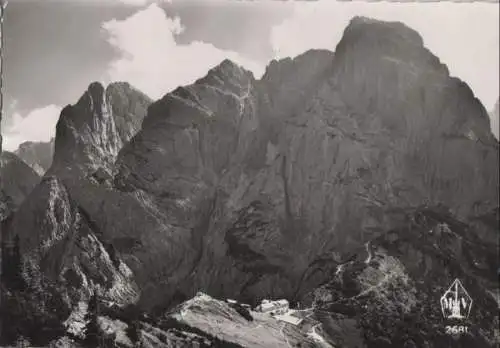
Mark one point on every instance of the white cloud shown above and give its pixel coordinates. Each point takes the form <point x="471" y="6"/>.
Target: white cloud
<point x="139" y="3"/>
<point x="464" y="36"/>
<point x="152" y="61"/>
<point x="37" y="125"/>
<point x="134" y="2"/>
<point x="9" y="109"/>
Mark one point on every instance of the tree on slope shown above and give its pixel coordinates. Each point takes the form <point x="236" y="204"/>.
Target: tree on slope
<point x="92" y="329"/>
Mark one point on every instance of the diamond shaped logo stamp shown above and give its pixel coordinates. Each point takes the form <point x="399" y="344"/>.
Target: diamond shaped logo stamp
<point x="456" y="302"/>
<point x="456" y="305"/>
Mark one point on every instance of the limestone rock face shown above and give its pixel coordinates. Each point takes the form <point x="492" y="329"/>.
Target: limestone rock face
<point x="237" y="186"/>
<point x="60" y="244"/>
<point x="18" y="179"/>
<point x="90" y="133"/>
<point x="429" y="115"/>
<point x="266" y="175"/>
<point x="38" y="155"/>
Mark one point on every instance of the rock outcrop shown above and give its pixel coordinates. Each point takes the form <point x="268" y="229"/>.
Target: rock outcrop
<point x="18" y="180"/>
<point x="204" y="321"/>
<point x="388" y="294"/>
<point x="68" y="247"/>
<point x="218" y="319"/>
<point x="61" y="247"/>
<point x="38" y="155"/>
<point x="90" y="133"/>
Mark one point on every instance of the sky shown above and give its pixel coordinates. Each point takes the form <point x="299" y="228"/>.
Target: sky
<point x="55" y="49"/>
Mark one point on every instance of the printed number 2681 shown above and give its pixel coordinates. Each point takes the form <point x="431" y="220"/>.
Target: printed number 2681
<point x="456" y="329"/>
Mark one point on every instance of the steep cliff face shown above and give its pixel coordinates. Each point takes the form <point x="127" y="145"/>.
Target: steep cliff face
<point x="236" y="186"/>
<point x="315" y="157"/>
<point x="429" y="116"/>
<point x="90" y="133"/>
<point x="61" y="245"/>
<point x="18" y="180"/>
<point x="38" y="155"/>
<point x="184" y="164"/>
<point x="380" y="131"/>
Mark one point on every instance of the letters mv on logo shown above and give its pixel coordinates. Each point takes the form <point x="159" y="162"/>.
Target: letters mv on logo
<point x="456" y="302"/>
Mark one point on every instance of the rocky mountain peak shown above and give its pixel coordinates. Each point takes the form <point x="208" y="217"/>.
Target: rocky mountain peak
<point x="90" y="133"/>
<point x="95" y="92"/>
<point x="18" y="179"/>
<point x="38" y="155"/>
<point x="86" y="132"/>
<point x="373" y="29"/>
<point x="229" y="68"/>
<point x="383" y="69"/>
<point x="216" y="110"/>
<point x="228" y="76"/>
<point x="128" y="107"/>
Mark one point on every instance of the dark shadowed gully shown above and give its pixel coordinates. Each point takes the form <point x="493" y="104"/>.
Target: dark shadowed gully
<point x="358" y="185"/>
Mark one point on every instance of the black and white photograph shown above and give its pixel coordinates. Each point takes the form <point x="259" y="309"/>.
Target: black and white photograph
<point x="249" y="174"/>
